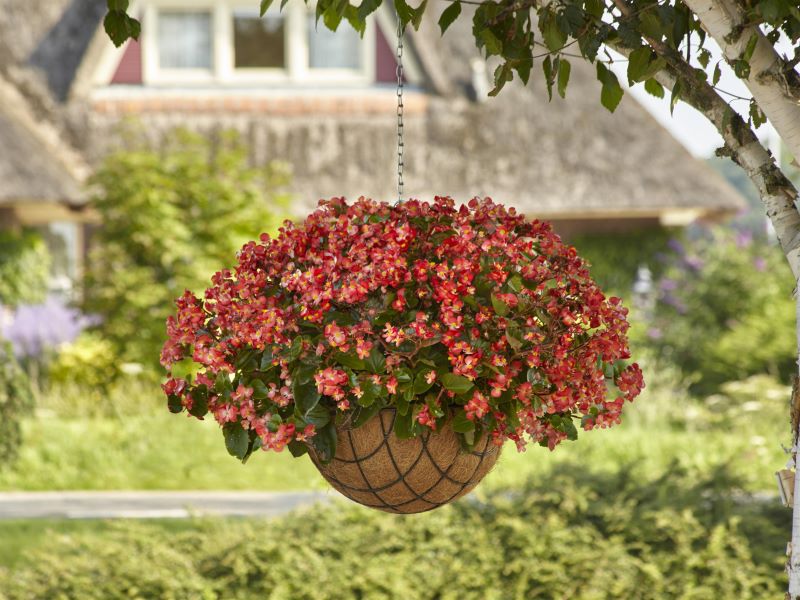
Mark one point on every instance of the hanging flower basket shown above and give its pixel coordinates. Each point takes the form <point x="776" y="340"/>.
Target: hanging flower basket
<point x="374" y="467"/>
<point x="402" y="345"/>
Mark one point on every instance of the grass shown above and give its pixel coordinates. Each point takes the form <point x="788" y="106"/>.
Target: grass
<point x="134" y="444"/>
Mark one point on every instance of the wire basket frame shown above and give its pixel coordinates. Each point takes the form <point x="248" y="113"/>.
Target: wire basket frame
<point x="375" y="468"/>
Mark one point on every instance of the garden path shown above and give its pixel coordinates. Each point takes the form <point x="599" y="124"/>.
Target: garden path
<point x="152" y="504"/>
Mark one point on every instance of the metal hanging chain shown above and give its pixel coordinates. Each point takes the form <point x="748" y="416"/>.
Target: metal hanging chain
<point x="399" y="110"/>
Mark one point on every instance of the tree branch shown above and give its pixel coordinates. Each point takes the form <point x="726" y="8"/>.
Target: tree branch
<point x="741" y="144"/>
<point x="773" y="83"/>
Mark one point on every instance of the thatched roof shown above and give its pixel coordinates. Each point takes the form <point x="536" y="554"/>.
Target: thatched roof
<point x="564" y="158"/>
<point x="31" y="166"/>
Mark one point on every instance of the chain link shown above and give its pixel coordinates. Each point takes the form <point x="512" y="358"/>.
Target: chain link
<point x="399" y="110"/>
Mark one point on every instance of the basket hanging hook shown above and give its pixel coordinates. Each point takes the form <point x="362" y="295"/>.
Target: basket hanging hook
<point x="399" y="110"/>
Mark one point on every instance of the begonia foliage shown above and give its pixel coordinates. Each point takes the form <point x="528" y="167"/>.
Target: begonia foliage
<point x="469" y="316"/>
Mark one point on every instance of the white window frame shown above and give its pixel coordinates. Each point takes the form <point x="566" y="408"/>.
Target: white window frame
<point x="223" y="72"/>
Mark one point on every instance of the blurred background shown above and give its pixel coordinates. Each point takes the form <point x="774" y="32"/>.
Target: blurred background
<point x="128" y="175"/>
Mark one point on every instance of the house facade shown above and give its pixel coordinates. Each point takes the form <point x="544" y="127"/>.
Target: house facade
<point x="325" y="104"/>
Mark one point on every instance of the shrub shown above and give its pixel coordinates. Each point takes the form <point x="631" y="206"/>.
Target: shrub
<point x="15" y="403"/>
<point x="725" y="309"/>
<point x="24" y="268"/>
<point x="614" y="258"/>
<point x="169" y="217"/>
<point x="87" y="362"/>
<point x="571" y="534"/>
<point x="467" y="313"/>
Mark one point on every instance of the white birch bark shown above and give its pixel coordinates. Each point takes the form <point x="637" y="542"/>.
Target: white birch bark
<point x="722" y="20"/>
<point x="794" y="548"/>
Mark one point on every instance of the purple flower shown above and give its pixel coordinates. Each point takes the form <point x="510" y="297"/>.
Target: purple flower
<point x="668" y="285"/>
<point x="33" y="328"/>
<point x="743" y="239"/>
<point x="676" y="246"/>
<point x="760" y="264"/>
<point x="694" y="262"/>
<point x="654" y="333"/>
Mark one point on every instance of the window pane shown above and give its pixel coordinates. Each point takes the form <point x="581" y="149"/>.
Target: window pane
<point x="258" y="42"/>
<point x="184" y="40"/>
<point x="333" y="50"/>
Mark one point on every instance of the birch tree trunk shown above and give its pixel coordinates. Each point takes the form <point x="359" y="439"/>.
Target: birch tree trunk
<point x="794" y="548"/>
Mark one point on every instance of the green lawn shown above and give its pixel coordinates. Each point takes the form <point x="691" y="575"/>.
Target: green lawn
<point x="743" y="428"/>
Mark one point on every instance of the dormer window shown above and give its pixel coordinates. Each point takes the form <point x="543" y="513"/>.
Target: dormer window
<point x="258" y="42"/>
<point x="227" y="43"/>
<point x="185" y="40"/>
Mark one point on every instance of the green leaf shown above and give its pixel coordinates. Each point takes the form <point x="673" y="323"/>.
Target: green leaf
<point x="611" y="93"/>
<point x="370" y="393"/>
<point x="185" y="369"/>
<point x="376" y="361"/>
<point x="490" y="41"/>
<point x="350" y="360"/>
<point x="404" y="425"/>
<point x="717" y="74"/>
<point x="564" y="69"/>
<point x="319" y="416"/>
<point x="297" y="449"/>
<point x="339" y="317"/>
<point x="306" y="396"/>
<point x="421" y="385"/>
<point x="365" y="413"/>
<point x="549" y="75"/>
<point x="403" y="376"/>
<point x="294" y="351"/>
<point x="324" y="442"/>
<point x="500" y="307"/>
<point x="750" y="48"/>
<point x="260" y="389"/>
<point x="367" y="7"/>
<point x="222" y="385"/>
<point x="117" y="4"/>
<point x="456" y="383"/>
<point x="569" y="428"/>
<point x="265" y="4"/>
<point x="654" y="88"/>
<point x="461" y="424"/>
<point x="416" y="20"/>
<point x="237" y="440"/>
<point x="120" y="26"/>
<point x="449" y="15"/>
<point x="356" y="22"/>
<point x="554" y="37"/>
<point x="305" y="372"/>
<point x="676" y="95"/>
<point x="174" y="404"/>
<point x="404" y="11"/>
<point x="643" y="64"/>
<point x="266" y="360"/>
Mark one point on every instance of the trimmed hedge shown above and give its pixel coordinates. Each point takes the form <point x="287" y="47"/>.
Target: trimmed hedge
<point x="573" y="535"/>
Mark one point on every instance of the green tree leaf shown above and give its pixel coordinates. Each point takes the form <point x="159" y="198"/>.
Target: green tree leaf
<point x="611" y="92"/>
<point x="564" y="69"/>
<point x="265" y="4"/>
<point x="449" y="15"/>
